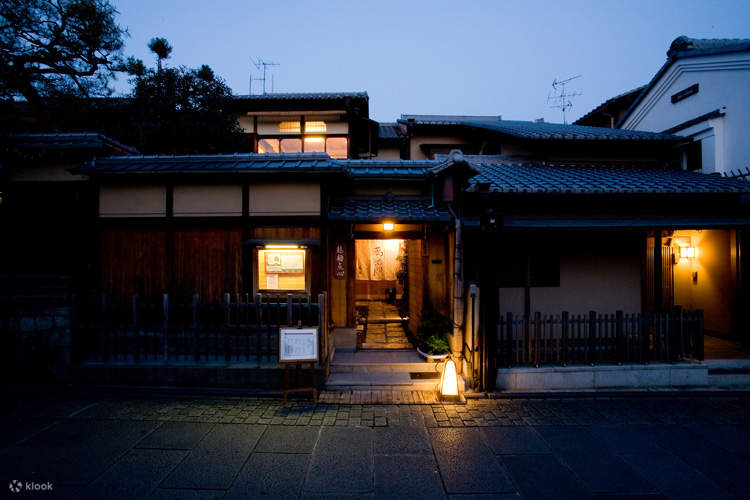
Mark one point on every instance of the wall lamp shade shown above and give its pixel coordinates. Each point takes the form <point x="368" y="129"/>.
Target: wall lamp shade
<point x="687" y="252"/>
<point x="449" y="381"/>
<point x="388" y="226"/>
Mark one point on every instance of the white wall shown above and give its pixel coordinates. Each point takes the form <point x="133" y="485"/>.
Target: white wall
<point x="723" y="81"/>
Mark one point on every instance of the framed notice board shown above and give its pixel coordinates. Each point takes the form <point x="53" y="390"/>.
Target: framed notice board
<point x="298" y="345"/>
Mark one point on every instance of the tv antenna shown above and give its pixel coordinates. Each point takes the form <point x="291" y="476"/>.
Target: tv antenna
<point x="561" y="99"/>
<point x="264" y="64"/>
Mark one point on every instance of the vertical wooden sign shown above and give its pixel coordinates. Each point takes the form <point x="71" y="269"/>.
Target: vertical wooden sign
<point x="339" y="262"/>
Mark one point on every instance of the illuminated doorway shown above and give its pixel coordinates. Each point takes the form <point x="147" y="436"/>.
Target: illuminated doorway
<point x="377" y="266"/>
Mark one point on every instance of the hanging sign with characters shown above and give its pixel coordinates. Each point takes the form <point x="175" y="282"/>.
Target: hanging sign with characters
<point x="339" y="263"/>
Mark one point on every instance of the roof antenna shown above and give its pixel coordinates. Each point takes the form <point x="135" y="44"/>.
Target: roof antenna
<point x="560" y="98"/>
<point x="265" y="64"/>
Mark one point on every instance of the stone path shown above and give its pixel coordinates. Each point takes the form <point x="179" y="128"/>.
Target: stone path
<point x="94" y="445"/>
<point x="384" y="328"/>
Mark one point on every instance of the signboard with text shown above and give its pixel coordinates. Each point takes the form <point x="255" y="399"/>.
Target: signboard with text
<point x="298" y="345"/>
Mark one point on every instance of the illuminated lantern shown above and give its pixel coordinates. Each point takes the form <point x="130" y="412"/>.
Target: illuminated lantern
<point x="449" y="381"/>
<point x="388" y="226"/>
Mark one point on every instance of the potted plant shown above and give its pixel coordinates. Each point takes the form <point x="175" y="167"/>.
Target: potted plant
<point x="433" y="332"/>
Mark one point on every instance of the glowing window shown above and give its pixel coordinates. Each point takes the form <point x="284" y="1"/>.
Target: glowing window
<point x="268" y="146"/>
<point x="281" y="269"/>
<point x="337" y="147"/>
<point x="315" y="127"/>
<point x="315" y="144"/>
<point x="291" y="145"/>
<point x="289" y="127"/>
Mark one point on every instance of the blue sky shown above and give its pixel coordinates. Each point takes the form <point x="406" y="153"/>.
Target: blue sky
<point x="433" y="57"/>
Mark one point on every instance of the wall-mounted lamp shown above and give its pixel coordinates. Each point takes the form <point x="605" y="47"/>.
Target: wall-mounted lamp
<point x="687" y="252"/>
<point x="388" y="226"/>
<point x="279" y="247"/>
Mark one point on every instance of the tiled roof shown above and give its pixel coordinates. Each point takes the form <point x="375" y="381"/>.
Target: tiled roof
<point x="75" y="140"/>
<point x="388" y="131"/>
<point x="389" y="169"/>
<point x="558" y="131"/>
<point x="682" y="47"/>
<point x="392" y="208"/>
<point x="277" y="163"/>
<point x="506" y="176"/>
<point x="619" y="101"/>
<point x="304" y="96"/>
<point x="539" y="130"/>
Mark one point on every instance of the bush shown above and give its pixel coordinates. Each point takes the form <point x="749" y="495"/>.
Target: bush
<point x="436" y="344"/>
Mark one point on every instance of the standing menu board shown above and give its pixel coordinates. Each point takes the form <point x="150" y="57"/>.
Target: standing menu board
<point x="298" y="345"/>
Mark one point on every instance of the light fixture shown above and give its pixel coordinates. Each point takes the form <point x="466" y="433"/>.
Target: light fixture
<point x="274" y="246"/>
<point x="687" y="252"/>
<point x="314" y="139"/>
<point x="388" y="226"/>
<point x="448" y="388"/>
<point x="315" y="127"/>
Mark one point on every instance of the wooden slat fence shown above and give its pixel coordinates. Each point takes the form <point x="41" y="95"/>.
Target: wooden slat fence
<point x="591" y="338"/>
<point x="241" y="328"/>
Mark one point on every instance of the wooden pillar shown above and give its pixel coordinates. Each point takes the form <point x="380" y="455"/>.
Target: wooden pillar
<point x="490" y="309"/>
<point x="247" y="252"/>
<point x="658" y="278"/>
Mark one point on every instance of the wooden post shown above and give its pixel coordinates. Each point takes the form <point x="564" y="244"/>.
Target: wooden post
<point x="565" y="324"/>
<point x="619" y="339"/>
<point x="227" y="319"/>
<point x="592" y="337"/>
<point x="136" y="334"/>
<point x="165" y="318"/>
<point x="289" y="316"/>
<point x="658" y="284"/>
<point x="537" y="331"/>
<point x="258" y="319"/>
<point x="105" y="328"/>
<point x="699" y="336"/>
<point x="196" y="329"/>
<point x="509" y="338"/>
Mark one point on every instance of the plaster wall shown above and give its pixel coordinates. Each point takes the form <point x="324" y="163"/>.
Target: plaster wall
<point x="218" y="200"/>
<point x="284" y="199"/>
<point x="132" y="201"/>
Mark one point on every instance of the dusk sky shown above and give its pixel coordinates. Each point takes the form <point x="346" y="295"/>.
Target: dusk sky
<point x="433" y="57"/>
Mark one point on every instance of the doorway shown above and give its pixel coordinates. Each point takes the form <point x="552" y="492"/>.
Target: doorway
<point x="380" y="293"/>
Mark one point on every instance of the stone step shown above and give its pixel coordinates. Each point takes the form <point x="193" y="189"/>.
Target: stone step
<point x="386" y="381"/>
<point x="390" y="319"/>
<point x="386" y="345"/>
<point x="404" y="361"/>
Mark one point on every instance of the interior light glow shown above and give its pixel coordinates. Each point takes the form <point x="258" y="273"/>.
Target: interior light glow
<point x="315" y="127"/>
<point x="272" y="246"/>
<point x="314" y="139"/>
<point x="690" y="252"/>
<point x="388" y="226"/>
<point x="290" y="127"/>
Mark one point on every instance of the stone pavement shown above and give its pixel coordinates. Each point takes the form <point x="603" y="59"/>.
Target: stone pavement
<point x="182" y="445"/>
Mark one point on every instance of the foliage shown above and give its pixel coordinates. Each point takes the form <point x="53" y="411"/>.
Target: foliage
<point x="58" y="47"/>
<point x="436" y="344"/>
<point x="433" y="324"/>
<point x="181" y="110"/>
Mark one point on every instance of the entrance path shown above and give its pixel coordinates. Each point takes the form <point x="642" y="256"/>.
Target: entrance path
<point x="384" y="327"/>
<point x="136" y="445"/>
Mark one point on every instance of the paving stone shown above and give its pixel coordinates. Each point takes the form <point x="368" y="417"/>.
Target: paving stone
<point x="592" y="461"/>
<point x="270" y="475"/>
<point x="73" y="452"/>
<point x="725" y="469"/>
<point x="164" y="494"/>
<point x="674" y="478"/>
<point x="466" y="464"/>
<point x="342" y="462"/>
<point x="401" y="476"/>
<point x="630" y="439"/>
<point x="401" y="441"/>
<point x="514" y="440"/>
<point x="288" y="440"/>
<point x="493" y="496"/>
<point x="734" y="438"/>
<point x="144" y="469"/>
<point x="542" y="477"/>
<point x="175" y="436"/>
<point x="217" y="458"/>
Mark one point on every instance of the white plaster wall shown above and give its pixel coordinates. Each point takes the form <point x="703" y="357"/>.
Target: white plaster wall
<point x="211" y="200"/>
<point x="715" y="287"/>
<point x="724" y="81"/>
<point x="132" y="201"/>
<point x="284" y="198"/>
<point x="602" y="283"/>
<point x="388" y="154"/>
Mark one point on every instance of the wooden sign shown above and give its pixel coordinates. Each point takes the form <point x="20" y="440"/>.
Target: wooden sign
<point x="339" y="263"/>
<point x="298" y="345"/>
<point x="287" y="261"/>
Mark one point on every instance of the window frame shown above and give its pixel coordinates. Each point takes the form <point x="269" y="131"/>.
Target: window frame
<point x="279" y="137"/>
